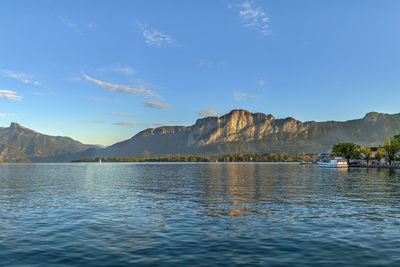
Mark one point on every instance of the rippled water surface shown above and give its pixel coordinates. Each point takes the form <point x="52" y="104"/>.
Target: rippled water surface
<point x="198" y="214"/>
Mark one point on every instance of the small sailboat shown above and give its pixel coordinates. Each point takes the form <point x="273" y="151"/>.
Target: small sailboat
<point x="99" y="160"/>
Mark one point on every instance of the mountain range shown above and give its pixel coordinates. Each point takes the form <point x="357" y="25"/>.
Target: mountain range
<point x="18" y="143"/>
<point x="239" y="131"/>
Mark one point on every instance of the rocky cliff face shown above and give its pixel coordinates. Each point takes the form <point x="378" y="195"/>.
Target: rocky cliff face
<point x="245" y="132"/>
<point x="18" y="142"/>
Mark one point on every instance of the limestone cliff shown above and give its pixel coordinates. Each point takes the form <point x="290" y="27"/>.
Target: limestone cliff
<point x="245" y="132"/>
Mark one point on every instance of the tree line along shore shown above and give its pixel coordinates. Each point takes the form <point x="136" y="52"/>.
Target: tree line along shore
<point x="226" y="158"/>
<point x="365" y="156"/>
<point x="356" y="156"/>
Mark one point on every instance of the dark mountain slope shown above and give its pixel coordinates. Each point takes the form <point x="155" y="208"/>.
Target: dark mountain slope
<point x="17" y="142"/>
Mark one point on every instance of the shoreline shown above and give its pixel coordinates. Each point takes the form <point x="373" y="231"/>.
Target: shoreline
<point x="375" y="166"/>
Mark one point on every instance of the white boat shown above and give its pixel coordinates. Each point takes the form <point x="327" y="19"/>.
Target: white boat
<point x="332" y="162"/>
<point x="99" y="160"/>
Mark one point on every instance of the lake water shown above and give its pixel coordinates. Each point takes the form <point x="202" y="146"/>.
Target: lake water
<point x="198" y="214"/>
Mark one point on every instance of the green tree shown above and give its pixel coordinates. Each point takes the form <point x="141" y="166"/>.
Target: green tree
<point x="392" y="147"/>
<point x="347" y="150"/>
<point x="367" y="153"/>
<point x="357" y="153"/>
<point x="380" y="154"/>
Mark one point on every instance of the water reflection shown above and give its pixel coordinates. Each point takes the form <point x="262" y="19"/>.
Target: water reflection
<point x="241" y="186"/>
<point x="183" y="213"/>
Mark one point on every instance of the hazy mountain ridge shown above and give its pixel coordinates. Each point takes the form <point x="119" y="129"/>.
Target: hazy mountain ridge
<point x="18" y="142"/>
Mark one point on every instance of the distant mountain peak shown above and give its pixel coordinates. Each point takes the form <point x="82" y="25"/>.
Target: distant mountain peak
<point x="242" y="113"/>
<point x="238" y="112"/>
<point x="372" y="116"/>
<point x="15" y="125"/>
<point x="235" y="111"/>
<point x="18" y="142"/>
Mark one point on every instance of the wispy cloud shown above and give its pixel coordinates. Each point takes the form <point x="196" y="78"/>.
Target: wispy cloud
<point x="5" y="115"/>
<point x="125" y="70"/>
<point x="97" y="99"/>
<point x="253" y="17"/>
<point x="204" y="63"/>
<point x="22" y="77"/>
<point x="69" y="23"/>
<point x="79" y="28"/>
<point x="11" y="95"/>
<point x="261" y="84"/>
<point x="155" y="37"/>
<point x="207" y="112"/>
<point x="141" y="90"/>
<point x="138" y="124"/>
<point x="125" y="123"/>
<point x="241" y="96"/>
<point x="123" y="114"/>
<point x="44" y="93"/>
<point x="39" y="93"/>
<point x="157" y="105"/>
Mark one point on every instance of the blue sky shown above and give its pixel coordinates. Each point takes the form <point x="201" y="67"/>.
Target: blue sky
<point x="101" y="71"/>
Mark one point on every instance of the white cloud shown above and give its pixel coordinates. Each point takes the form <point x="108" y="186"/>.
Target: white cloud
<point x="22" y="77"/>
<point x="5" y="115"/>
<point x="253" y="17"/>
<point x="207" y="112"/>
<point x="125" y="123"/>
<point x="12" y="95"/>
<point x="205" y="63"/>
<point x="137" y="124"/>
<point x="76" y="27"/>
<point x="39" y="93"/>
<point x="69" y="23"/>
<point x="141" y="90"/>
<point x="123" y="114"/>
<point x="261" y="84"/>
<point x="155" y="37"/>
<point x="125" y="70"/>
<point x="157" y="105"/>
<point x="241" y="96"/>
